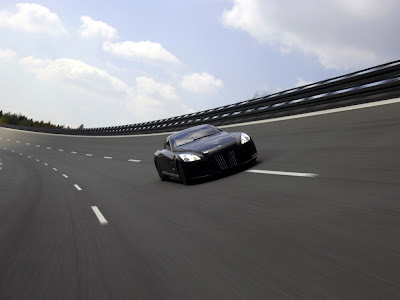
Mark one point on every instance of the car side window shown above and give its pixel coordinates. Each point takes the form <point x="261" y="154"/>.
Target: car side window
<point x="167" y="145"/>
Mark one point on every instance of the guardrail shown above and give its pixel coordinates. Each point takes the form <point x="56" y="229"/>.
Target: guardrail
<point x="372" y="84"/>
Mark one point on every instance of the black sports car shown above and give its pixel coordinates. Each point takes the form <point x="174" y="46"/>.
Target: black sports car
<point x="201" y="151"/>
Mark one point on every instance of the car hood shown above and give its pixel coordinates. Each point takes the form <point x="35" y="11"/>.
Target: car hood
<point x="209" y="144"/>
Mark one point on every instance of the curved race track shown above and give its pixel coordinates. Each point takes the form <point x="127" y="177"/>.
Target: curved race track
<point x="244" y="236"/>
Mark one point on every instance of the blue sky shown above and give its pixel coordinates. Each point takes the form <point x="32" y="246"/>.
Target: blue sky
<point x="102" y="63"/>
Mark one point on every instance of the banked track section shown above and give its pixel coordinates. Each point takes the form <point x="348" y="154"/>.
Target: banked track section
<point x="245" y="236"/>
<point x="369" y="85"/>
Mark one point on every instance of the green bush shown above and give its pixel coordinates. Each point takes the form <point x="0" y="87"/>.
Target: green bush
<point x="21" y="120"/>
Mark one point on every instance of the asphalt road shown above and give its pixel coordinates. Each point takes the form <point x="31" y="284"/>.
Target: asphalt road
<point x="243" y="236"/>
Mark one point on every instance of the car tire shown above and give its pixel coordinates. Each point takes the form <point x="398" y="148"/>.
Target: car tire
<point x="162" y="176"/>
<point x="182" y="175"/>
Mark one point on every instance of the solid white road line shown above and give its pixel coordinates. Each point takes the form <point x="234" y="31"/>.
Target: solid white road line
<point x="99" y="216"/>
<point x="73" y="152"/>
<point x="134" y="160"/>
<point x="268" y="172"/>
<point x="65" y="175"/>
<point x="89" y="154"/>
<point x="77" y="187"/>
<point x="107" y="157"/>
<point x="54" y="169"/>
<point x="61" y="150"/>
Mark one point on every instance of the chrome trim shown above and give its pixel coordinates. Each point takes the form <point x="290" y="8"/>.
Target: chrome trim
<point x="232" y="158"/>
<point x="221" y="161"/>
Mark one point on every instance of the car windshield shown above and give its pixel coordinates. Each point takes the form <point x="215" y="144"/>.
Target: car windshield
<point x="190" y="136"/>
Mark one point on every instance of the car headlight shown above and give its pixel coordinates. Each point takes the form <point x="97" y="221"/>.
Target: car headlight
<point x="244" y="138"/>
<point x="189" y="157"/>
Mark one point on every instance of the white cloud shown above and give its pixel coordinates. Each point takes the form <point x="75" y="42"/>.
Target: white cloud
<point x="91" y="28"/>
<point x="70" y="91"/>
<point x="186" y="109"/>
<point x="7" y="55"/>
<point x="363" y="8"/>
<point x="141" y="51"/>
<point x="300" y="82"/>
<point x="146" y="99"/>
<point x="152" y="100"/>
<point x="201" y="83"/>
<point x="31" y="17"/>
<point x="148" y="86"/>
<point x="342" y="34"/>
<point x="77" y="73"/>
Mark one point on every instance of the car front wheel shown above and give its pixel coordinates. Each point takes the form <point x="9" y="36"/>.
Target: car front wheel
<point x="162" y="176"/>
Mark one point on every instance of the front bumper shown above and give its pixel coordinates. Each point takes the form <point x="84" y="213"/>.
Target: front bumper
<point x="222" y="161"/>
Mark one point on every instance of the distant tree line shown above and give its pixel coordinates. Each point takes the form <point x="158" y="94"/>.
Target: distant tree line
<point x="21" y="120"/>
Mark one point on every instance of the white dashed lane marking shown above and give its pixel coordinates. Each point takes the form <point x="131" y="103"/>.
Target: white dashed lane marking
<point x="99" y="215"/>
<point x="269" y="172"/>
<point x="74" y="152"/>
<point x="97" y="212"/>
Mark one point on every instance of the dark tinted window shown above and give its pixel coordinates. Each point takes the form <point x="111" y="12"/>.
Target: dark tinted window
<point x="167" y="145"/>
<point x="185" y="137"/>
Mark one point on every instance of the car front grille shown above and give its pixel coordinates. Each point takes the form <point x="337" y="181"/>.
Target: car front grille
<point x="226" y="160"/>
